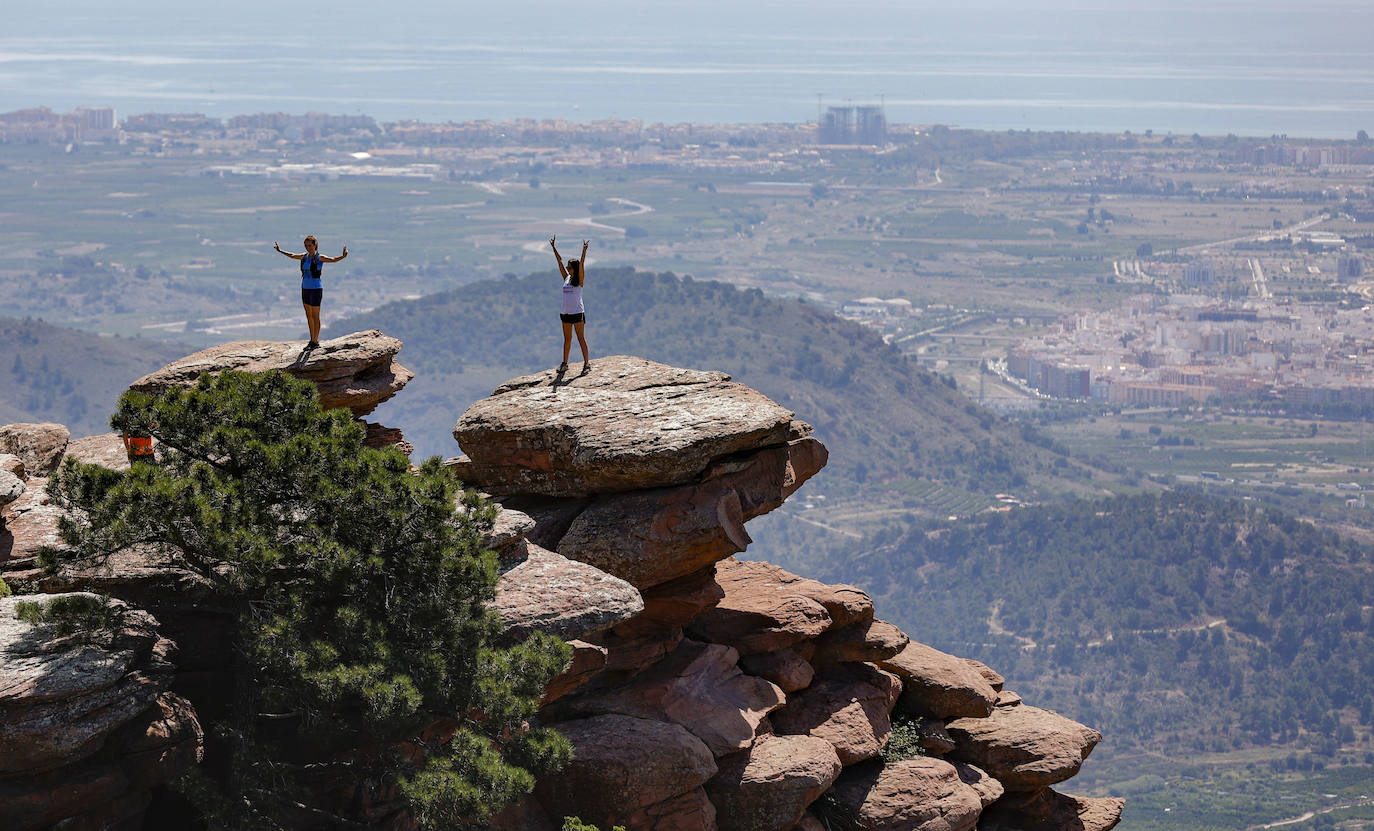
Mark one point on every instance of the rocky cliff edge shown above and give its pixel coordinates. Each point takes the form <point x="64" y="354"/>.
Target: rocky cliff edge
<point x="706" y="691"/>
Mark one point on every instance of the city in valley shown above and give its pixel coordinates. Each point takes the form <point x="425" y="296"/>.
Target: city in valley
<point x="1104" y="285"/>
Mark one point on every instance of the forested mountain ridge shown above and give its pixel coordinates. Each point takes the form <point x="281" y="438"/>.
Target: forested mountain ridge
<point x="1173" y="621"/>
<point x="885" y="419"/>
<point x="51" y="373"/>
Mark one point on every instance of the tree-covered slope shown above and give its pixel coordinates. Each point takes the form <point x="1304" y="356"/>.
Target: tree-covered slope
<point x="1168" y="621"/>
<point x="50" y="373"/>
<point x="884" y="419"/>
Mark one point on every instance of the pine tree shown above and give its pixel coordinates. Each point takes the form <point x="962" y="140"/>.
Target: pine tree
<point x="359" y="599"/>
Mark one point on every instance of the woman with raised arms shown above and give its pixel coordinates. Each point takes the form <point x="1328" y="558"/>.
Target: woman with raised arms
<point x="574" y="314"/>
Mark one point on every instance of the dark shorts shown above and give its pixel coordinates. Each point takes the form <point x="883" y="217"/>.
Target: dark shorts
<point x="580" y="317"/>
<point x="312" y="297"/>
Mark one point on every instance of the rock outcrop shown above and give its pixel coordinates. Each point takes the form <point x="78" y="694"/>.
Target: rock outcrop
<point x="740" y="693"/>
<point x="705" y="691"/>
<point x="87" y="723"/>
<point x="357" y="371"/>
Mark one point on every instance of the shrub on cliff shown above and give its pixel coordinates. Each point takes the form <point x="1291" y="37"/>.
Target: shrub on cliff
<point x="362" y="639"/>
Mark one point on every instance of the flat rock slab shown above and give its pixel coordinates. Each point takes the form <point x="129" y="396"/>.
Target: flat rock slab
<point x="1049" y="809"/>
<point x="40" y="446"/>
<point x="698" y="686"/>
<point x="769" y="786"/>
<point x="938" y="684"/>
<point x="106" y="450"/>
<point x="547" y="592"/>
<point x="629" y="424"/>
<point x="621" y="765"/>
<point x="1025" y="748"/>
<point x="356" y="371"/>
<point x="914" y="795"/>
<point x="850" y="707"/>
<point x="767" y="608"/>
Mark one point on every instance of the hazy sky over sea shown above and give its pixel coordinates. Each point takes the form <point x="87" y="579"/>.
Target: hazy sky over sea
<point x="1212" y="66"/>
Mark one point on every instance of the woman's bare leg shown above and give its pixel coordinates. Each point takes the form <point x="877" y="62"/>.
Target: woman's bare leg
<point x="312" y="319"/>
<point x="581" y="341"/>
<point x="567" y="341"/>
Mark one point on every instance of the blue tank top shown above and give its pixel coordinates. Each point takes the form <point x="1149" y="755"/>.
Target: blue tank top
<point x="311" y="266"/>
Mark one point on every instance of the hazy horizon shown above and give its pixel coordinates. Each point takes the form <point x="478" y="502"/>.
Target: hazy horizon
<point x="1210" y="67"/>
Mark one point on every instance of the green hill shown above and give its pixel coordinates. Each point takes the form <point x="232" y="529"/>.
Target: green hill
<point x="889" y="424"/>
<point x="50" y="373"/>
<point x="1171" y="622"/>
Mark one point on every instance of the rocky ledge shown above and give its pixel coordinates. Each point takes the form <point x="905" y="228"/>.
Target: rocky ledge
<point x="88" y="726"/>
<point x="705" y="692"/>
<point x="357" y="371"/>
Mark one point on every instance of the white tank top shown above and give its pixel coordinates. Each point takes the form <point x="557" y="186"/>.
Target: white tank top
<point x="572" y="298"/>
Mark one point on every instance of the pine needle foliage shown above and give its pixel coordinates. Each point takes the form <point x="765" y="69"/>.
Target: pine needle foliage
<point x="359" y="600"/>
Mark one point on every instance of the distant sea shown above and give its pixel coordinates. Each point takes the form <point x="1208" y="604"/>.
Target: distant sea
<point x="1212" y="66"/>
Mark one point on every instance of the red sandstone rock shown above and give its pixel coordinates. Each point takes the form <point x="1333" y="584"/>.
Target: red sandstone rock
<point x="550" y="593"/>
<point x="849" y="706"/>
<point x="1007" y="698"/>
<point x="621" y="765"/>
<point x="784" y="667"/>
<point x="691" y="811"/>
<point x="1025" y="748"/>
<point x="699" y="687"/>
<point x="39" y="446"/>
<point x="992" y="676"/>
<point x="938" y="684"/>
<point x="652" y="536"/>
<point x="767" y="608"/>
<point x="768" y="786"/>
<point x="587" y="660"/>
<point x="920" y="794"/>
<point x="1046" y="809"/>
<point x="629" y="424"/>
<point x="356" y="371"/>
<point x="106" y="450"/>
<point x="867" y="640"/>
<point x="30" y="522"/>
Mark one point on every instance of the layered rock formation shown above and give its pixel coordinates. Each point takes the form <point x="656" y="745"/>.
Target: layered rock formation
<point x="738" y="696"/>
<point x="706" y="691"/>
<point x="357" y="372"/>
<point x="88" y="725"/>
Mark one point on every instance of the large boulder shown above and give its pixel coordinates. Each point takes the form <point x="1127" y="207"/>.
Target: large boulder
<point x="622" y="765"/>
<point x="691" y="811"/>
<point x="937" y="684"/>
<point x="699" y="687"/>
<point x="105" y="449"/>
<point x="356" y="371"/>
<point x="550" y="593"/>
<point x="11" y="487"/>
<point x="921" y="794"/>
<point x="1047" y="810"/>
<point x="867" y="640"/>
<point x="1025" y="748"/>
<point x="784" y="667"/>
<point x="629" y="424"/>
<point x="768" y="786"/>
<point x="39" y="446"/>
<point x="652" y="536"/>
<point x="850" y="706"/>
<point x="767" y="608"/>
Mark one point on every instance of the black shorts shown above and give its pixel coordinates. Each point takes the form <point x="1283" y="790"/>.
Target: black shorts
<point x="580" y="317"/>
<point x="312" y="297"/>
